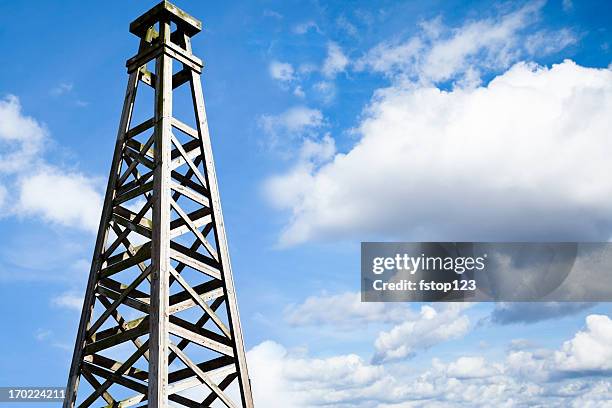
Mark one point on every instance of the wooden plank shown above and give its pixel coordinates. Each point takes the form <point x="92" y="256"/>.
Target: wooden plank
<point x="195" y="264"/>
<point x="199" y="218"/>
<point x="101" y="335"/>
<point x="201" y="340"/>
<point x="135" y="227"/>
<point x="140" y="158"/>
<point x="124" y="256"/>
<point x="189" y="193"/>
<point x="196" y="297"/>
<point x="222" y="385"/>
<point x="185" y="129"/>
<point x="193" y="151"/>
<point x="136" y="130"/>
<point x="213" y="289"/>
<point x="94" y="327"/>
<point x="121" y="321"/>
<point x="206" y="366"/>
<point x="190" y="163"/>
<point x="138" y="182"/>
<point x="119" y="287"/>
<point x="212" y="251"/>
<point x="199" y="323"/>
<point x="113" y="365"/>
<point x="186" y="181"/>
<point x="203" y="376"/>
<point x="114" y="377"/>
<point x="131" y="194"/>
<point x="96" y="384"/>
<point x="133" y="303"/>
<point x="165" y="10"/>
<point x="144" y="253"/>
<point x="118" y="338"/>
<point x="180" y="78"/>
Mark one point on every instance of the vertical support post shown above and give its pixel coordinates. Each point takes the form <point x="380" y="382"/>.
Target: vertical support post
<point x="219" y="230"/>
<point x="159" y="338"/>
<point x="89" y="300"/>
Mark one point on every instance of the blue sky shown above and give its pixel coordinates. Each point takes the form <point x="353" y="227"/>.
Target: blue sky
<point x="332" y="123"/>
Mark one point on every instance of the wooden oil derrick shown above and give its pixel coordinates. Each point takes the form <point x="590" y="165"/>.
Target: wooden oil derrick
<point x="160" y="324"/>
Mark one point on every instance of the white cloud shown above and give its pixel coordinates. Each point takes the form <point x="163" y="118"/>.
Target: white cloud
<point x="294" y="123"/>
<point x="3" y="194"/>
<point x="335" y="62"/>
<point x="346" y="310"/>
<point x="64" y="198"/>
<point x="43" y="190"/>
<point x="590" y="349"/>
<point x="325" y="90"/>
<point x="292" y="378"/>
<point x="283" y="191"/>
<point x="513" y="160"/>
<point x="430" y="328"/>
<point x="299" y="92"/>
<point x="470" y="367"/>
<point x="281" y="71"/>
<point x="68" y="300"/>
<point x="439" y="53"/>
<point x="21" y="137"/>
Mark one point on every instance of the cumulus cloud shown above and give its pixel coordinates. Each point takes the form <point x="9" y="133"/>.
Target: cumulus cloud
<point x="345" y="309"/>
<point x="590" y="349"/>
<point x="21" y="137"/>
<point x="284" y="379"/>
<point x="63" y="198"/>
<point x="438" y="53"/>
<point x="430" y="328"/>
<point x="510" y="313"/>
<point x="335" y="62"/>
<point x="293" y="378"/>
<point x="515" y="159"/>
<point x="42" y="190"/>
<point x="281" y="71"/>
<point x="471" y="367"/>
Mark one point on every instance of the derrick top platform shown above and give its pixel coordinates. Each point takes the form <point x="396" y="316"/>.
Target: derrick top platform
<point x="166" y="11"/>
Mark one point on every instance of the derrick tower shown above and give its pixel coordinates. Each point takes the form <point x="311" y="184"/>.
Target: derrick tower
<point x="160" y="324"/>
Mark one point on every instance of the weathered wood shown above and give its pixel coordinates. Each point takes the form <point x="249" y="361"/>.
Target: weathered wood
<point x="166" y="11"/>
<point x="159" y="338"/>
<point x="203" y="376"/>
<point x="196" y="297"/>
<point x="201" y="340"/>
<point x="228" y="279"/>
<point x="167" y="193"/>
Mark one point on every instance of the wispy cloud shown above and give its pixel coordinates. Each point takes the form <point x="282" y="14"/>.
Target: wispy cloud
<point x="62" y="88"/>
<point x="304" y="27"/>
